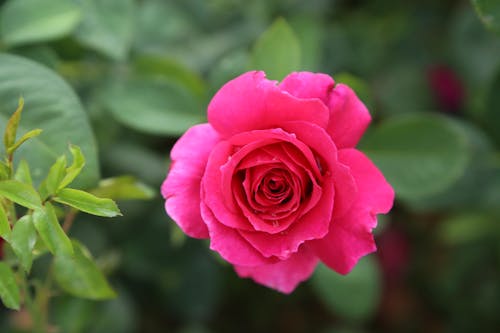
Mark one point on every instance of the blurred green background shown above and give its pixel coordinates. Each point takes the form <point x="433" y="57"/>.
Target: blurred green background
<point x="144" y="71"/>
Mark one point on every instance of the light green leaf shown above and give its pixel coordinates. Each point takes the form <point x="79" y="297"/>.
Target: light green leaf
<point x="107" y="26"/>
<point x="12" y="124"/>
<point x="23" y="139"/>
<point x="489" y="12"/>
<point x="75" y="168"/>
<point x="20" y="193"/>
<point x="123" y="188"/>
<point x="22" y="241"/>
<point x="9" y="291"/>
<point x="277" y="51"/>
<point x="4" y="171"/>
<point x="28" y="21"/>
<point x="50" y="104"/>
<point x="87" y="202"/>
<point x="56" y="174"/>
<point x="4" y="224"/>
<point x="51" y="232"/>
<point x="23" y="173"/>
<point x="80" y="276"/>
<point x="419" y="154"/>
<point x="166" y="108"/>
<point x="354" y="296"/>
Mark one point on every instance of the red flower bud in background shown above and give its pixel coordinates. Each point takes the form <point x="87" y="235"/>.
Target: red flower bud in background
<point x="447" y="88"/>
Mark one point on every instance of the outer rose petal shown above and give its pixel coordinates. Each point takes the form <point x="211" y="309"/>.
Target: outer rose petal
<point x="349" y="117"/>
<point x="251" y="102"/>
<point x="308" y="85"/>
<point x="181" y="189"/>
<point x="284" y="275"/>
<point x="350" y="236"/>
<point x="374" y="191"/>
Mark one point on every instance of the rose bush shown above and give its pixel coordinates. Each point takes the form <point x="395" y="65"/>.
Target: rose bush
<point x="273" y="178"/>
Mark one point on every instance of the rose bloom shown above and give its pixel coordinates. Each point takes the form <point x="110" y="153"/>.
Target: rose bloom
<point x="274" y="181"/>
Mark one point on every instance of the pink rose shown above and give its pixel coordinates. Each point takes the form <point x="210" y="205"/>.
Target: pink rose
<point x="274" y="180"/>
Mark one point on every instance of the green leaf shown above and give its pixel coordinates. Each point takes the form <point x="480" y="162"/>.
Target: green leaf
<point x="166" y="108"/>
<point x="354" y="296"/>
<point x="20" y="193"/>
<point x="51" y="232"/>
<point x="23" y="139"/>
<point x="419" y="154"/>
<point x="87" y="202"/>
<point x="50" y="104"/>
<point x="75" y="168"/>
<point x="22" y="241"/>
<point x="277" y="51"/>
<point x="464" y="228"/>
<point x="28" y="21"/>
<point x="23" y="173"/>
<point x="4" y="171"/>
<point x="161" y="66"/>
<point x="107" y="26"/>
<point x="10" y="131"/>
<point x="56" y="174"/>
<point x="9" y="291"/>
<point x="489" y="13"/>
<point x="80" y="276"/>
<point x="123" y="188"/>
<point x="491" y="118"/>
<point x="4" y="224"/>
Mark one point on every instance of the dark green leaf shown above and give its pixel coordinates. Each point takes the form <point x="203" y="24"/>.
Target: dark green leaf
<point x="489" y="12"/>
<point x="80" y="276"/>
<point x="22" y="240"/>
<point x="20" y="193"/>
<point x="123" y="188"/>
<point x="354" y="296"/>
<point x="50" y="104"/>
<point x="464" y="228"/>
<point x="28" y="21"/>
<point x="4" y="224"/>
<point x="23" y="173"/>
<point x="277" y="51"/>
<point x="491" y="117"/>
<point x="419" y="154"/>
<point x="10" y="131"/>
<point x="51" y="232"/>
<point x="87" y="202"/>
<point x="172" y="70"/>
<point x="9" y="291"/>
<point x="107" y="26"/>
<point x="166" y="108"/>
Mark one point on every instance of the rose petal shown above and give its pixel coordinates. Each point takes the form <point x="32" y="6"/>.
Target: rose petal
<point x="349" y="117"/>
<point x="251" y="102"/>
<point x="374" y="191"/>
<point x="283" y="275"/>
<point x="229" y="244"/>
<point x="181" y="189"/>
<point x="308" y="85"/>
<point x="350" y="236"/>
<point x="349" y="239"/>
